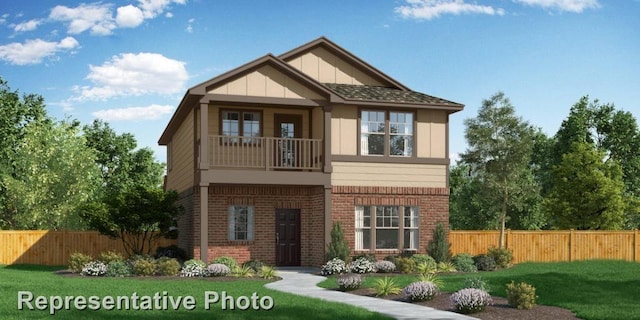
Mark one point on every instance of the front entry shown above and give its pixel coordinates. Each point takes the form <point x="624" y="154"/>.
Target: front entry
<point x="287" y="237"/>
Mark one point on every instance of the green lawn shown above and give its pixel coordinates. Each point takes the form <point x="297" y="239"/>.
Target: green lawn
<point x="42" y="281"/>
<point x="592" y="289"/>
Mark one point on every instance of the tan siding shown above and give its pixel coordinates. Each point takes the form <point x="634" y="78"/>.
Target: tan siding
<point x="324" y="66"/>
<point x="317" y="120"/>
<point x="388" y="174"/>
<point x="180" y="177"/>
<point x="431" y="134"/>
<point x="266" y="82"/>
<point x="344" y="126"/>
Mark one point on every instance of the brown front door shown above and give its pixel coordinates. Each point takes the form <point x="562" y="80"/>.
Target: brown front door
<point x="288" y="150"/>
<point x="287" y="237"/>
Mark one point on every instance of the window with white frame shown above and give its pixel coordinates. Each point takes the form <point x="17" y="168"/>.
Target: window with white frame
<point x="386" y="227"/>
<point x="386" y="133"/>
<point x="240" y="223"/>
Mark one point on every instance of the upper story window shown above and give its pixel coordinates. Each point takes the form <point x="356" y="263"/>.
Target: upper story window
<point x="386" y="133"/>
<point x="245" y="124"/>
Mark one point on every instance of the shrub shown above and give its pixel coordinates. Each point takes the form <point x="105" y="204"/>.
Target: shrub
<point x="194" y="268"/>
<point x="426" y="268"/>
<point x="484" y="262"/>
<point x="502" y="256"/>
<point x="439" y="247"/>
<point x="385" y="287"/>
<point x="227" y="261"/>
<point x="243" y="272"/>
<point x="362" y="265"/>
<point x="405" y="265"/>
<point x="94" y="269"/>
<point x="446" y="267"/>
<point x="338" y="247"/>
<point x="267" y="272"/>
<point x="392" y="258"/>
<point x="218" y="270"/>
<point x="166" y="266"/>
<point x="420" y="291"/>
<point x="171" y="251"/>
<point x="433" y="278"/>
<point x="349" y="281"/>
<point x="367" y="256"/>
<point x="521" y="295"/>
<point x="109" y="256"/>
<point x="424" y="258"/>
<point x="254" y="264"/>
<point x="334" y="266"/>
<point x="477" y="283"/>
<point x="78" y="260"/>
<point x="144" y="267"/>
<point x="464" y="262"/>
<point x="118" y="269"/>
<point x="384" y="266"/>
<point x="470" y="300"/>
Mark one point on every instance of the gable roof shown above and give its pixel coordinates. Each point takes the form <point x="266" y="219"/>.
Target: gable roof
<point x="345" y="55"/>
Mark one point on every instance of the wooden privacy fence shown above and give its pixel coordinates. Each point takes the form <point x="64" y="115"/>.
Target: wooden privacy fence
<point x="55" y="247"/>
<point x="543" y="246"/>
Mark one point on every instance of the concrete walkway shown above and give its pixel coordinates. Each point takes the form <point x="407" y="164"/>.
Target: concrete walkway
<point x="303" y="281"/>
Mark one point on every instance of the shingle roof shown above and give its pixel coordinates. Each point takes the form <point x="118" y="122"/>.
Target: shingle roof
<point x="384" y="94"/>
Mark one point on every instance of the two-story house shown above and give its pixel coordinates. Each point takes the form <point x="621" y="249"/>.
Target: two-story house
<point x="268" y="155"/>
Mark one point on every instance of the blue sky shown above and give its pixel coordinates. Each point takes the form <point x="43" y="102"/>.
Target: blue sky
<point x="130" y="62"/>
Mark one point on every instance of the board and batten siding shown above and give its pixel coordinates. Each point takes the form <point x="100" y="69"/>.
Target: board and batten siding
<point x="266" y="82"/>
<point x="431" y="134"/>
<point x="344" y="130"/>
<point x="180" y="177"/>
<point x="326" y="67"/>
<point x="388" y="174"/>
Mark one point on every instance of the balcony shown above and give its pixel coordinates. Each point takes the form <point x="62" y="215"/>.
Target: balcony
<point x="266" y="153"/>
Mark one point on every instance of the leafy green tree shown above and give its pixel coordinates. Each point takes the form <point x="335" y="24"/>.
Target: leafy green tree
<point x="53" y="175"/>
<point x="338" y="247"/>
<point x="122" y="166"/>
<point x="587" y="193"/>
<point x="499" y="153"/>
<point x="138" y="216"/>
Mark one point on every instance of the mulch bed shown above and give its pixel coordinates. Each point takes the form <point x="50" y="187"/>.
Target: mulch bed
<point x="67" y="273"/>
<point x="500" y="310"/>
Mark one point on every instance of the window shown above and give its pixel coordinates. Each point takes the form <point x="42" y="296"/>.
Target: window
<point x="394" y="228"/>
<point x="386" y="133"/>
<point x="240" y="223"/>
<point x="245" y="124"/>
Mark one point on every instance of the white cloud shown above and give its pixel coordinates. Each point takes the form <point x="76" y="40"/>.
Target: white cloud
<point x="34" y="51"/>
<point x="152" y="112"/>
<point x="431" y="9"/>
<point x="134" y="74"/>
<point x="95" y="17"/>
<point x="152" y="8"/>
<point x="576" y="6"/>
<point x="27" y="26"/>
<point x="169" y="15"/>
<point x="189" y="28"/>
<point x="129" y="16"/>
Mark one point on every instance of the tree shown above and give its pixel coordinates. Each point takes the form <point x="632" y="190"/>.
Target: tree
<point x="338" y="247"/>
<point x="121" y="165"/>
<point x="500" y="146"/>
<point x="587" y="191"/>
<point x="138" y="216"/>
<point x="53" y="175"/>
<point x="16" y="112"/>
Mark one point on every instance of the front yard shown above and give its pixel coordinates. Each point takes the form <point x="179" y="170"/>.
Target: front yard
<point x="42" y="281"/>
<point x="595" y="289"/>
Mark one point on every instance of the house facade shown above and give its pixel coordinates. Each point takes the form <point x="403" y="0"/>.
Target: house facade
<point x="267" y="156"/>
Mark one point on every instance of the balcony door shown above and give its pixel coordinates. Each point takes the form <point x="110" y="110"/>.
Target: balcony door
<point x="287" y="128"/>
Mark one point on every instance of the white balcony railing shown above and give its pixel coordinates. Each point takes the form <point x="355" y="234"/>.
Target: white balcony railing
<point x="266" y="153"/>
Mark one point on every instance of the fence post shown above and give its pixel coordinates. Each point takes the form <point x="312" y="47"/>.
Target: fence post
<point x="635" y="245"/>
<point x="571" y="245"/>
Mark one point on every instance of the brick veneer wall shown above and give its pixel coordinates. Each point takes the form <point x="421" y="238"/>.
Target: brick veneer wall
<point x="265" y="199"/>
<point x="433" y="205"/>
<point x="185" y="221"/>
